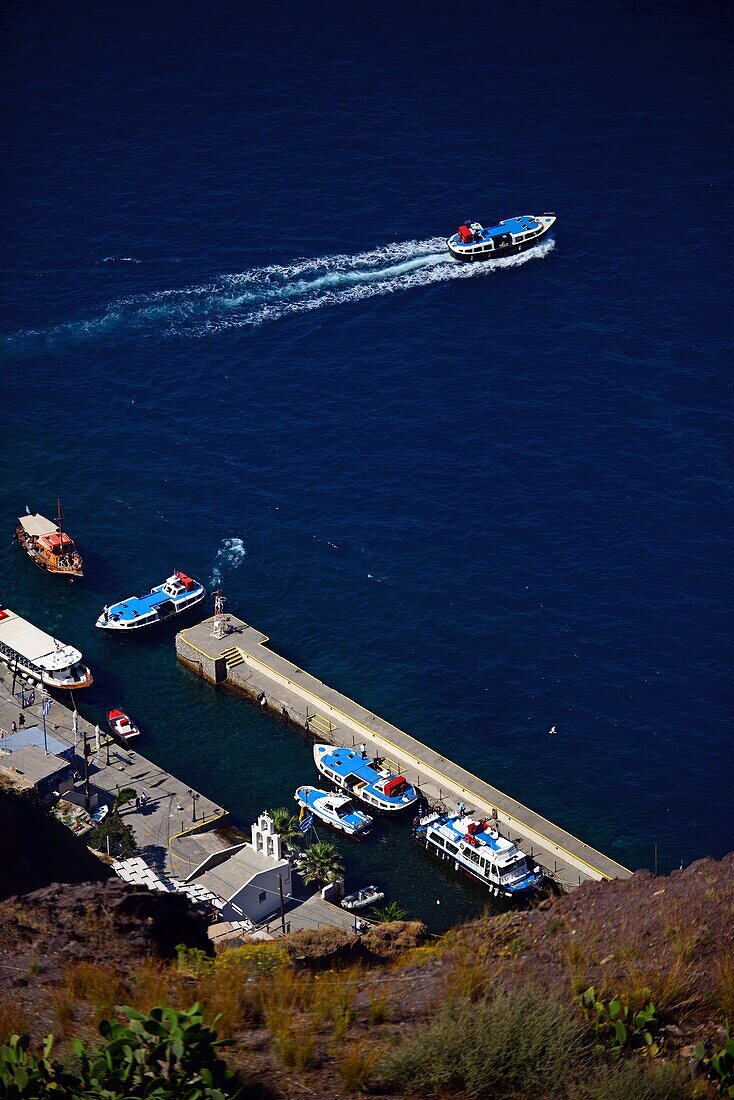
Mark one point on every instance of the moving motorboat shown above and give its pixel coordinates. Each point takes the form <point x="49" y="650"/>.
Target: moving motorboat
<point x="473" y="242"/>
<point x="177" y="594"/>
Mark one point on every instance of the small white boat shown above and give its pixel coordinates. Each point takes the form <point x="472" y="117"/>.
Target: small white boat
<point x="367" y="896"/>
<point x="122" y="726"/>
<point x="335" y="810"/>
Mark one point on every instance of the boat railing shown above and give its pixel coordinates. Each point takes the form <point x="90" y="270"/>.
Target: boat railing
<point x="60" y="567"/>
<point x="18" y="658"/>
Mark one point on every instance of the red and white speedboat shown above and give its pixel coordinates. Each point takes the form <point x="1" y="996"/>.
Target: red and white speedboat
<point x="121" y="725"/>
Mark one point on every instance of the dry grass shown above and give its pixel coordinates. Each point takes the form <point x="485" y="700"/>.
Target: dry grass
<point x="294" y="1044"/>
<point x="724" y="995"/>
<point x="62" y="1005"/>
<point x="576" y="963"/>
<point x="97" y="985"/>
<point x="671" y="987"/>
<point x="153" y="983"/>
<point x="333" y="994"/>
<point x="13" y="1021"/>
<point x="425" y="954"/>
<point x="284" y="992"/>
<point x="682" y="936"/>
<point x="231" y="991"/>
<point x="282" y="1000"/>
<point x="380" y="1010"/>
<point x="467" y="976"/>
<point x="354" y="1064"/>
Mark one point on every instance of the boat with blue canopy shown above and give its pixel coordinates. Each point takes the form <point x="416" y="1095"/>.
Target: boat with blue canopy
<point x="473" y="242"/>
<point x="335" y="810"/>
<point x="476" y="846"/>
<point x="367" y="779"/>
<point x="177" y="594"/>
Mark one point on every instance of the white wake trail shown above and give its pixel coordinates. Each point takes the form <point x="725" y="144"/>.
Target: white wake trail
<point x="265" y="294"/>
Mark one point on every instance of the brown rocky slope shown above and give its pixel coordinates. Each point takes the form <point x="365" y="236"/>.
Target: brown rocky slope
<point x="319" y="1014"/>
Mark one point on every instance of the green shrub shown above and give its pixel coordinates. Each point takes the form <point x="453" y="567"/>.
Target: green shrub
<point x="633" y="1080"/>
<point x="516" y="1042"/>
<point x="616" y="1027"/>
<point x="389" y="913"/>
<point x="24" y="1075"/>
<point x="161" y="1055"/>
<point x="121" y="837"/>
<point x="720" y="1065"/>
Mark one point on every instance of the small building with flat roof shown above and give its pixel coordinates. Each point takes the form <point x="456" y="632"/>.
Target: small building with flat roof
<point x="33" y="735"/>
<point x="30" y="766"/>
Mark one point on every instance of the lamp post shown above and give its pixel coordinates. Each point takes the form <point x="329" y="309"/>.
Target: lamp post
<point x="45" y="708"/>
<point x="194" y="796"/>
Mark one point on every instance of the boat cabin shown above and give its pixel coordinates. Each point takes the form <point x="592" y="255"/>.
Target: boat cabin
<point x="481" y="848"/>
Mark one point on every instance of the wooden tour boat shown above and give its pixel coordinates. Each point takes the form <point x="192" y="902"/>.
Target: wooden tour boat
<point x="48" y="545"/>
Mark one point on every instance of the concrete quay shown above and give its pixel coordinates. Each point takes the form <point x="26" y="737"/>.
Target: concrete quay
<point x="174" y="830"/>
<point x="242" y="661"/>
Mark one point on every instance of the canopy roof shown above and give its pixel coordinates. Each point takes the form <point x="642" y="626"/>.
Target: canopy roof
<point x="37" y="525"/>
<point x="56" y="541"/>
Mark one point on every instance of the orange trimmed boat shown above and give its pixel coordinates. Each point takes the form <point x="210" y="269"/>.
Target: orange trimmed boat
<point x="48" y="545"/>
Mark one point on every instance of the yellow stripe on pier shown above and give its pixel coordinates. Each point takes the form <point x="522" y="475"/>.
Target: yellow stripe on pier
<point x="244" y="662"/>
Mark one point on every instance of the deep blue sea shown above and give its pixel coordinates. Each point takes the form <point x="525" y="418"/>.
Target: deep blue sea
<point x="482" y="500"/>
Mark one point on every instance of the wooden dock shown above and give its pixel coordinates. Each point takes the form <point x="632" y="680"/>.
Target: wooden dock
<point x="242" y="661"/>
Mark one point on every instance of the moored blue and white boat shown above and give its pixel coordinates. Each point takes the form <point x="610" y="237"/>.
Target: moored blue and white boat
<point x="336" y="810"/>
<point x="473" y="242"/>
<point x="476" y="846"/>
<point x="367" y="779"/>
<point x="177" y="594"/>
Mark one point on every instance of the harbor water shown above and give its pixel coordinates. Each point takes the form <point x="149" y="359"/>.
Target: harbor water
<point x="483" y="500"/>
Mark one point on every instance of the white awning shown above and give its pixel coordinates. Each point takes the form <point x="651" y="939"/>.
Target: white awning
<point x="37" y="525"/>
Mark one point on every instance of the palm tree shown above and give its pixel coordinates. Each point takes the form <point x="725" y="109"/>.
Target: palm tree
<point x="390" y="912"/>
<point x="321" y="863"/>
<point x="286" y="826"/>
<point x="122" y="797"/>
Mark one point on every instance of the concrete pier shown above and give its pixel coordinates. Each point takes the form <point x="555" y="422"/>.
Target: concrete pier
<point x="242" y="661"/>
<point x="173" y="830"/>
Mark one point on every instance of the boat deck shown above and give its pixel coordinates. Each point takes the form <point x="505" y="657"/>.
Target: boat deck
<point x="243" y="661"/>
<point x="347" y="762"/>
<point x="135" y="606"/>
<point x="34" y="644"/>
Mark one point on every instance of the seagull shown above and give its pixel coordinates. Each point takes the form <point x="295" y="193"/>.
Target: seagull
<point x="553" y="730"/>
